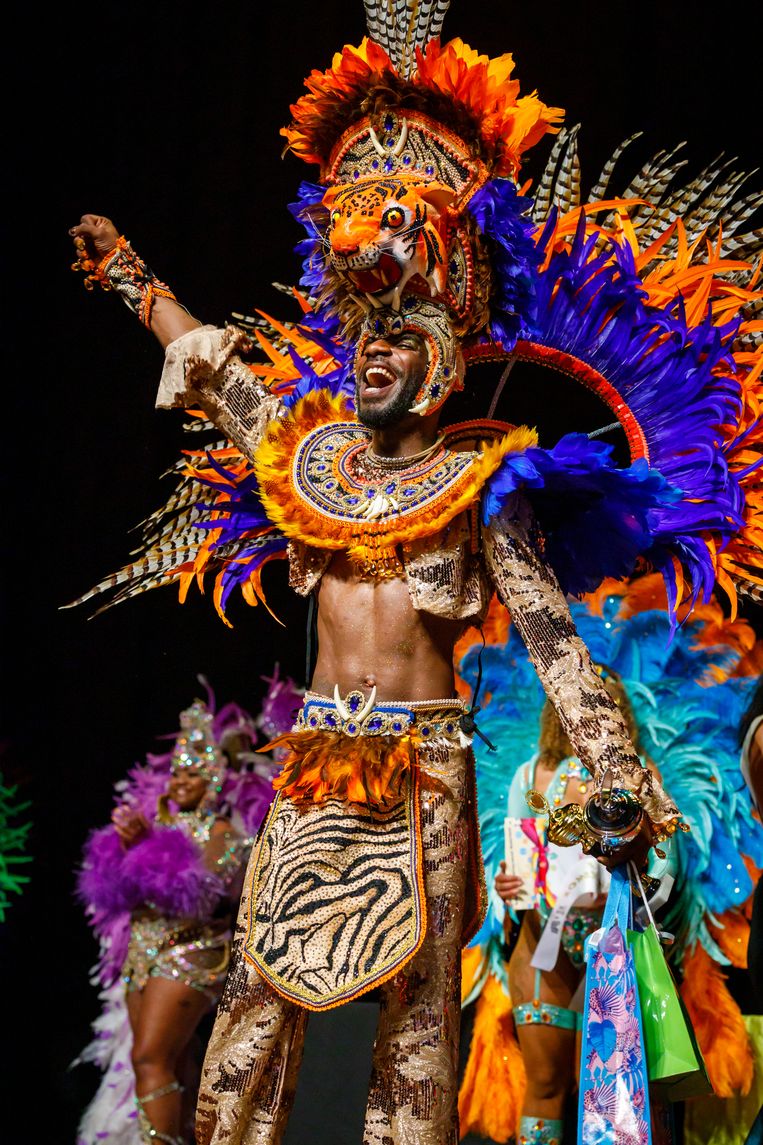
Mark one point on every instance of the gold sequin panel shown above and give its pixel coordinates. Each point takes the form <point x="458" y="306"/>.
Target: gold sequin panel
<point x="339" y="902"/>
<point x="588" y="713"/>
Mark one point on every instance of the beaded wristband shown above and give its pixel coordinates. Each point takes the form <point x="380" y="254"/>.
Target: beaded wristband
<point x="125" y="272"/>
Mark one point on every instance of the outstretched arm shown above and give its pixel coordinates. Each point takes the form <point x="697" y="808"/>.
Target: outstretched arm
<point x="107" y="258"/>
<point x="588" y="713"/>
<point x="202" y="366"/>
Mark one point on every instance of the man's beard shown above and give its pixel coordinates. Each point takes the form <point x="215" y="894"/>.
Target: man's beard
<point x="389" y="414"/>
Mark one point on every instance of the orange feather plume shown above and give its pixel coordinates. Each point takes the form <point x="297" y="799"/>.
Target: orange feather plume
<point x="505" y="124"/>
<point x="732" y="933"/>
<point x="508" y="124"/>
<point x="321" y="765"/>
<point x="718" y="1024"/>
<point x="473" y="962"/>
<point x="493" y="1087"/>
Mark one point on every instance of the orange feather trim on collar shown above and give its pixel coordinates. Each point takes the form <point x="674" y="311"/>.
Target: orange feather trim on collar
<point x="370" y="542"/>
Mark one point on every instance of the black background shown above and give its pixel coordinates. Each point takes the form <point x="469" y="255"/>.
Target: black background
<point x="165" y="117"/>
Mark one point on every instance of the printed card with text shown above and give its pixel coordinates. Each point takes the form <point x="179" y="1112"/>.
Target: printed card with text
<point x="520" y="861"/>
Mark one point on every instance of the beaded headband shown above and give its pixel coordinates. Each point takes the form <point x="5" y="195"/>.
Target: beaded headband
<point x="445" y="364"/>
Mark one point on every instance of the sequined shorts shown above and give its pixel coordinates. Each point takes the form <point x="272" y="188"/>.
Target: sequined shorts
<point x="195" y="954"/>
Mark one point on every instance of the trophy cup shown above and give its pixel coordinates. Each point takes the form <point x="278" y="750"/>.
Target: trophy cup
<point x="609" y="819"/>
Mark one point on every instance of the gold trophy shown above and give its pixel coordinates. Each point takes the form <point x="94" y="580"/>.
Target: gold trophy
<point x="608" y="820"/>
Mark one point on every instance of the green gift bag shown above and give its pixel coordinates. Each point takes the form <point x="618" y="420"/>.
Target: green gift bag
<point x="674" y="1061"/>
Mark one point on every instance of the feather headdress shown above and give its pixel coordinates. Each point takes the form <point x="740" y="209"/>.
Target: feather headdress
<point x="167" y="868"/>
<point x="688" y="696"/>
<point x="647" y="297"/>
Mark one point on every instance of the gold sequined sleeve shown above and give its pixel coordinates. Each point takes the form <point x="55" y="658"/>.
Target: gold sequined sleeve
<point x="203" y="368"/>
<point x="595" y="727"/>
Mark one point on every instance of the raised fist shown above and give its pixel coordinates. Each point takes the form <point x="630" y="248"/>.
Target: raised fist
<point x="94" y="237"/>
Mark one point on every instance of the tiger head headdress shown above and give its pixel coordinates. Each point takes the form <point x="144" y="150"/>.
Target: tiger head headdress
<point x="419" y="147"/>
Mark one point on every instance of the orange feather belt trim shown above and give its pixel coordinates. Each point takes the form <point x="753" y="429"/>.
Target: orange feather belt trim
<point x="321" y="765"/>
<point x="309" y="490"/>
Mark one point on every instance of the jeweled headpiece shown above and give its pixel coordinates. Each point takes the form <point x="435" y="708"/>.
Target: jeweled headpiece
<point x="196" y="745"/>
<point x="445" y="363"/>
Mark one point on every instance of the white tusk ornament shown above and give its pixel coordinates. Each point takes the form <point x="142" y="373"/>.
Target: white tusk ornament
<point x="340" y="705"/>
<point x="375" y="140"/>
<point x="368" y="706"/>
<point x="397" y="149"/>
<point x="344" y="711"/>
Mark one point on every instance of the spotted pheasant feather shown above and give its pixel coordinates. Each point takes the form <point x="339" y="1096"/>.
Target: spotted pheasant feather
<point x="401" y="27"/>
<point x="174" y="537"/>
<point x="157" y="567"/>
<point x="709" y="202"/>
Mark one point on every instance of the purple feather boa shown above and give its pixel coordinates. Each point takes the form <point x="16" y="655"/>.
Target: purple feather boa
<point x="164" y="870"/>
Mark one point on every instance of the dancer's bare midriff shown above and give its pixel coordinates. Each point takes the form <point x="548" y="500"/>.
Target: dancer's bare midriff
<point x="371" y="636"/>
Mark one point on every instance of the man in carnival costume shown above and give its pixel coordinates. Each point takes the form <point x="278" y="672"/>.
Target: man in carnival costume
<point x="421" y="255"/>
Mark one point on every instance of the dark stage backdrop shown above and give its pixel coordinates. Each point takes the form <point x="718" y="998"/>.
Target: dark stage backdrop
<point x="165" y="116"/>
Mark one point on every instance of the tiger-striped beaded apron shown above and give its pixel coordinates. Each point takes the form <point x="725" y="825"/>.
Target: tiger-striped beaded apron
<point x="337" y="875"/>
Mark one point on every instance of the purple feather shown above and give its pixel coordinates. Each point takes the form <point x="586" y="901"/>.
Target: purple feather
<point x="98" y="885"/>
<point x="596" y="519"/>
<point x="678" y="382"/>
<point x="281" y="704"/>
<point x="250" y="793"/>
<point x="166" y="869"/>
<point x="114" y="935"/>
<point x="502" y="216"/>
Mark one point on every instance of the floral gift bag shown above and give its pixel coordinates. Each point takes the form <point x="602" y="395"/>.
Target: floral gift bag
<point x="613" y="1106"/>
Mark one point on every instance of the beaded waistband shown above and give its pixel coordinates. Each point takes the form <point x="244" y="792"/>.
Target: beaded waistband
<point x="356" y="715"/>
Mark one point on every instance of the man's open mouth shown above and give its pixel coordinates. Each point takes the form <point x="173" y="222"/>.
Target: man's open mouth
<point x="378" y="378"/>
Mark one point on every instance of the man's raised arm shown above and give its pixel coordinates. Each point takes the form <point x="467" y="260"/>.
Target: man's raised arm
<point x="202" y="366"/>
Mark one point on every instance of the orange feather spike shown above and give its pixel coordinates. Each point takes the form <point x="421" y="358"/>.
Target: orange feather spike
<point x="494" y="1082"/>
<point x="718" y="1024"/>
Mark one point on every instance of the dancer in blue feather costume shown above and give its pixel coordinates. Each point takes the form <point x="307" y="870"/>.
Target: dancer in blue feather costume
<point x="688" y="705"/>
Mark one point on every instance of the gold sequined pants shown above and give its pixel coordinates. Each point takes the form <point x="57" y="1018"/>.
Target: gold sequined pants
<point x="250" y="1070"/>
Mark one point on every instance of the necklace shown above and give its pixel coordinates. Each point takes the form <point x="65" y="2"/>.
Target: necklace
<point x="395" y="463"/>
<point x="197" y="823"/>
<point x="322" y="486"/>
